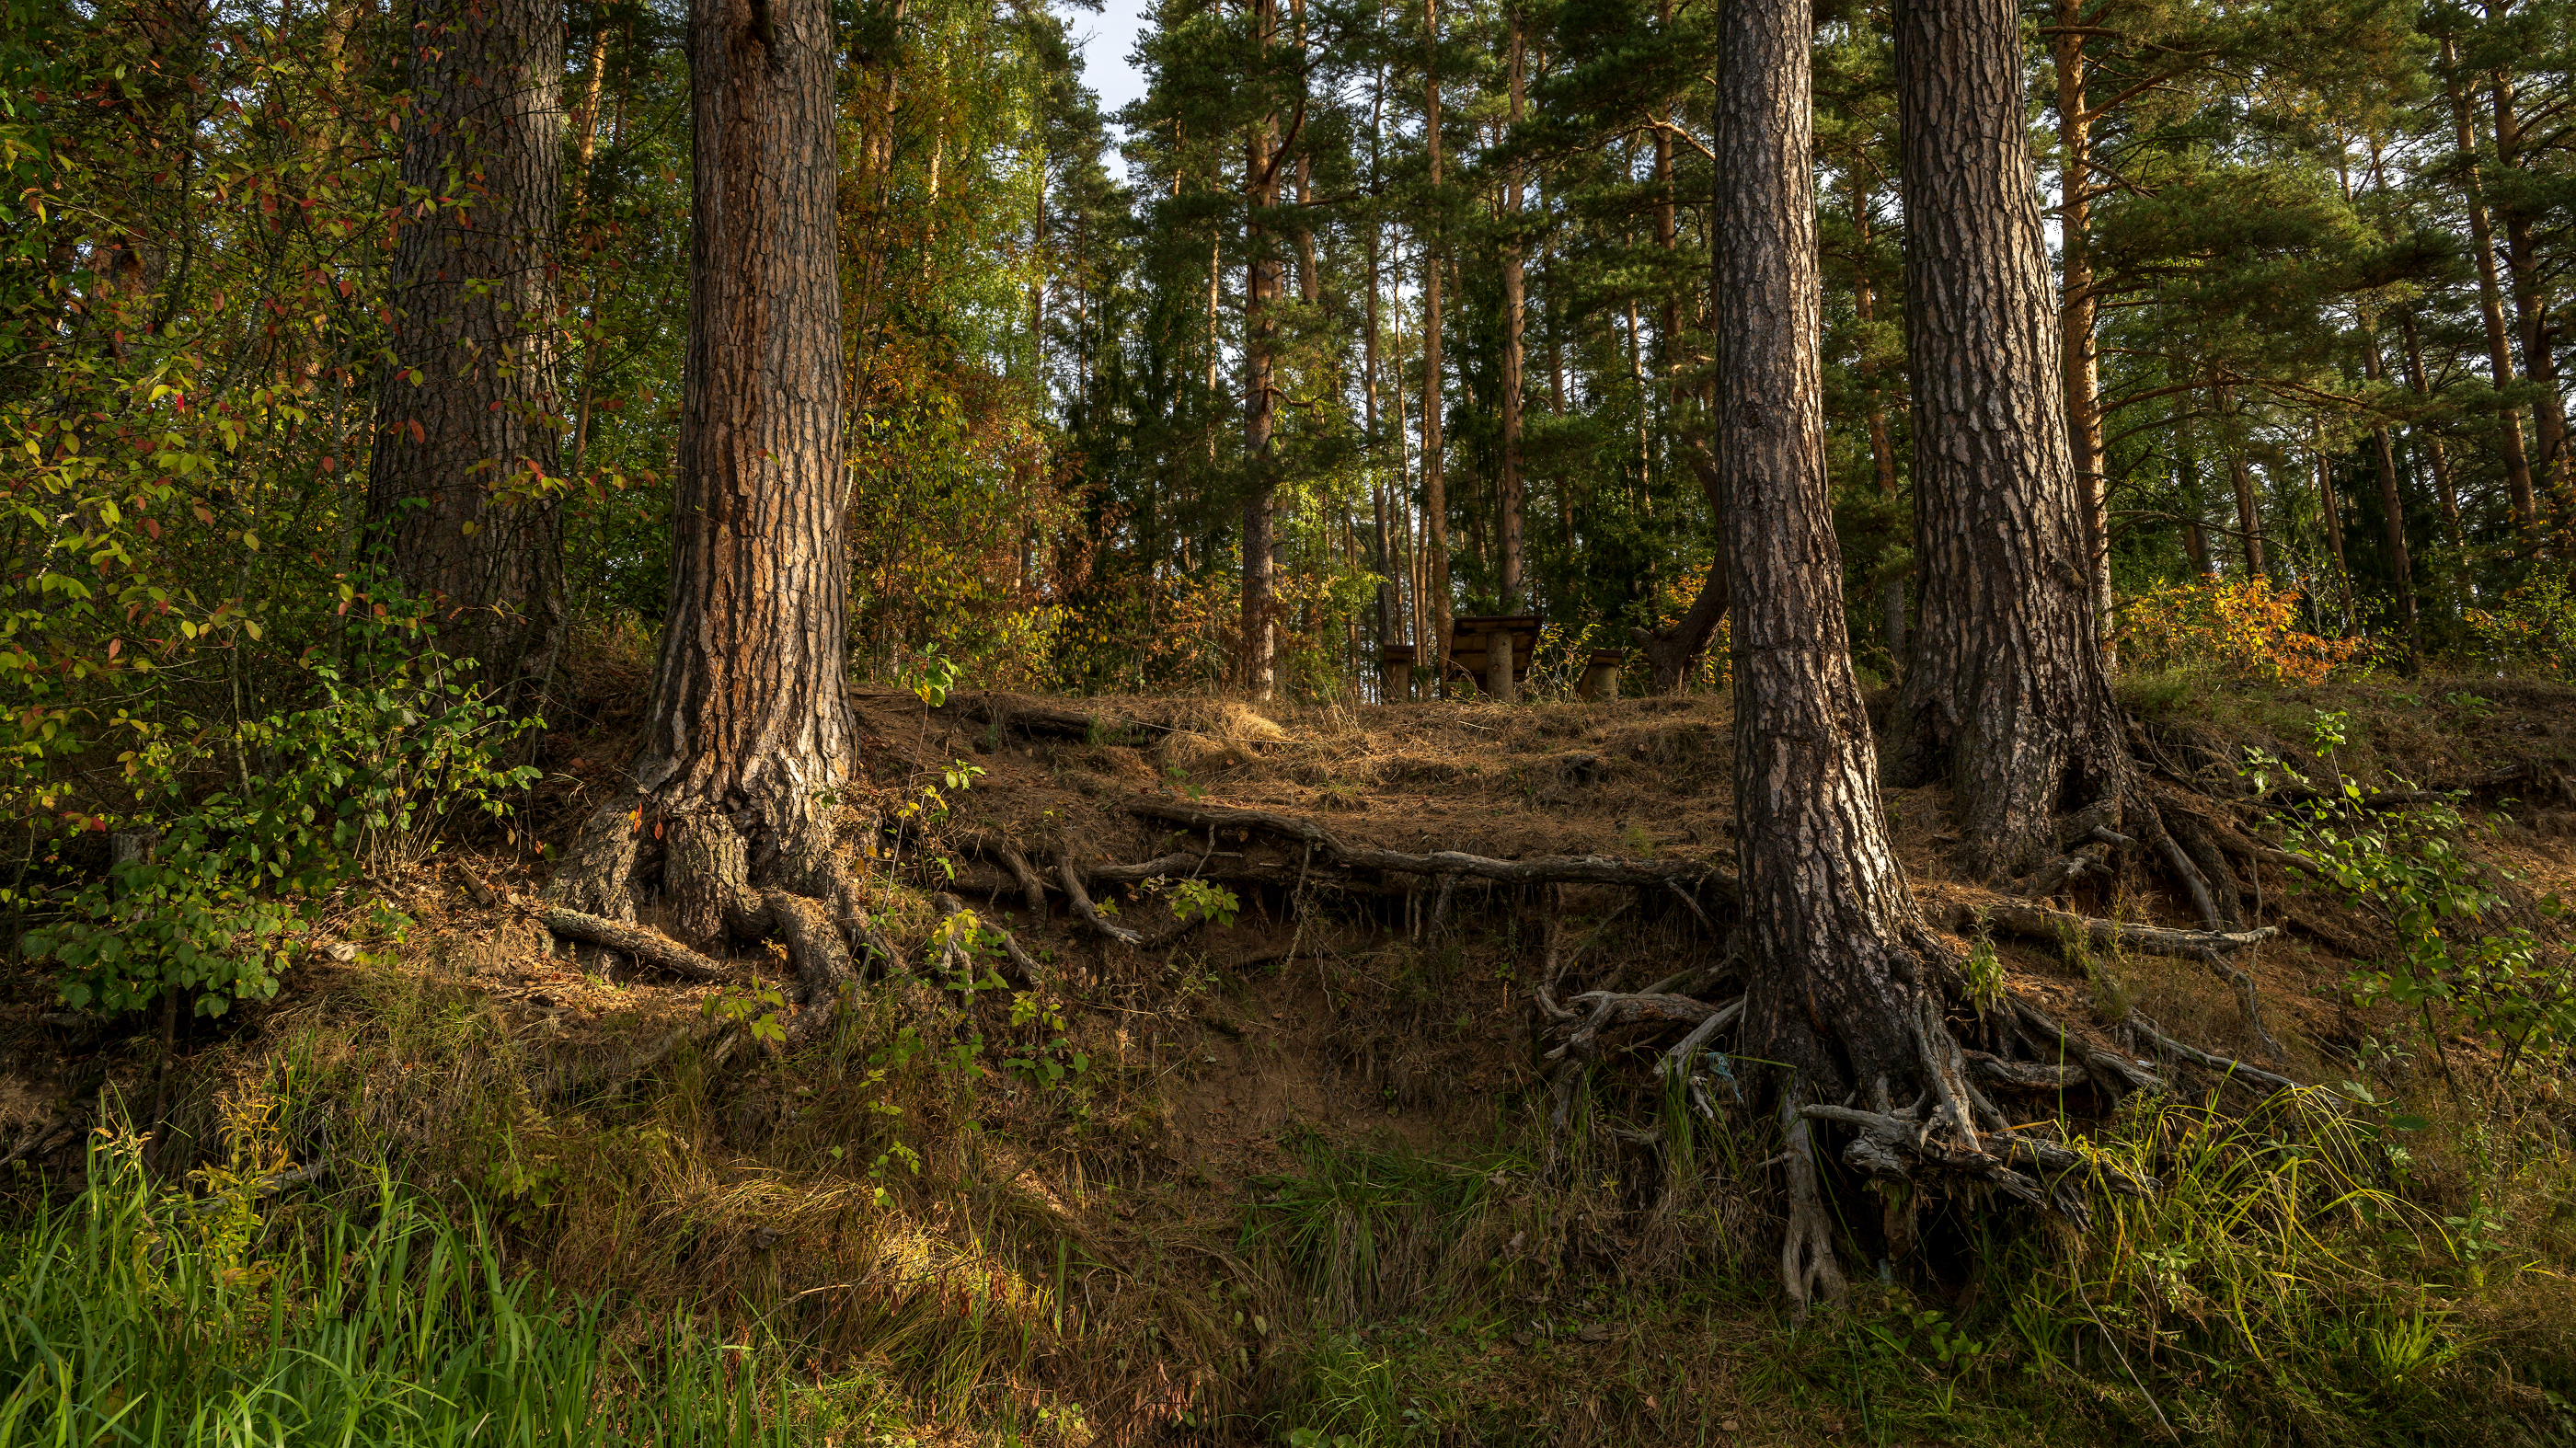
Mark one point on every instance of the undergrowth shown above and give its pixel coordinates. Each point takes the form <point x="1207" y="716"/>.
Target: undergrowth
<point x="137" y="1315"/>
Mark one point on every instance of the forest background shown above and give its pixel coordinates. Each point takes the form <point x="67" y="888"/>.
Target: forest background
<point x="342" y="373"/>
<point x="1421" y="290"/>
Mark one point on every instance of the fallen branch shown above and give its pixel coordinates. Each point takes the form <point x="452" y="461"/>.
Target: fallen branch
<point x="646" y="947"/>
<point x="2040" y="922"/>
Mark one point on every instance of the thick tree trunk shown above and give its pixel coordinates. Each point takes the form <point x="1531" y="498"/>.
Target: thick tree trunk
<point x="1515" y="565"/>
<point x="750" y="729"/>
<point x="1841" y="974"/>
<point x="2005" y="694"/>
<point x="2500" y="373"/>
<point x="463" y="493"/>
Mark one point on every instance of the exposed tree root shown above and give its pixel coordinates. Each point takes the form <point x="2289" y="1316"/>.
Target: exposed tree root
<point x="2115" y="1074"/>
<point x="1807" y="1262"/>
<point x="2207" y="1060"/>
<point x="1029" y="970"/>
<point x="645" y="947"/>
<point x="1683" y="875"/>
<point x="2042" y="923"/>
<point x="1088" y="913"/>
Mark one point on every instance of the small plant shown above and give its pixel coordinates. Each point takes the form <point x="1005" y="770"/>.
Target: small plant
<point x="2409" y="868"/>
<point x="1204" y="900"/>
<point x="930" y="677"/>
<point x="1985" y="972"/>
<point x="757" y="1008"/>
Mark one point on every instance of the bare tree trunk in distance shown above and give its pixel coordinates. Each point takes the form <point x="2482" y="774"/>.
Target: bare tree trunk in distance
<point x="1261" y="288"/>
<point x="1841" y="976"/>
<point x="1435" y="491"/>
<point x="2078" y="307"/>
<point x="1515" y="564"/>
<point x="2005" y="694"/>
<point x="1882" y="449"/>
<point x="2392" y="507"/>
<point x="1673" y="654"/>
<point x="462" y="492"/>
<point x="750" y="728"/>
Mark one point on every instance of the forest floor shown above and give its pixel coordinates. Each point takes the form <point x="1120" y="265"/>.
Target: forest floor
<point x="1291" y="1178"/>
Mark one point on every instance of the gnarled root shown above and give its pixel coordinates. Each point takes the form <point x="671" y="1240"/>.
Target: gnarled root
<point x="2207" y="1060"/>
<point x="1807" y="1265"/>
<point x="2041" y="923"/>
<point x="646" y="947"/>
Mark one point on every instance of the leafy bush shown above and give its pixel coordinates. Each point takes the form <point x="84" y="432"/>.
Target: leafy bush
<point x="2245" y="629"/>
<point x="2532" y="627"/>
<point x="392" y="750"/>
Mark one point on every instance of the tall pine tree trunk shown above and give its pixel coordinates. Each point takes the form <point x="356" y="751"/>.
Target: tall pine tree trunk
<point x="2401" y="567"/>
<point x="1435" y="490"/>
<point x="1841" y="977"/>
<point x="2440" y="456"/>
<point x="2005" y="694"/>
<point x="463" y="497"/>
<point x="750" y="730"/>
<point x="1261" y="290"/>
<point x="1515" y="564"/>
<point x="2500" y="372"/>
<point x="2078" y="304"/>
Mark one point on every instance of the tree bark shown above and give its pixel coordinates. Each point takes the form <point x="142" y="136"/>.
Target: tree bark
<point x="1840" y="969"/>
<point x="750" y="730"/>
<point x="463" y="494"/>
<point x="2523" y="263"/>
<point x="2005" y="694"/>
<point x="2330" y="508"/>
<point x="2439" y="455"/>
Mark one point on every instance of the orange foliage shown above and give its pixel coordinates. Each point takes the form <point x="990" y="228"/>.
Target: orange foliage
<point x="2247" y="629"/>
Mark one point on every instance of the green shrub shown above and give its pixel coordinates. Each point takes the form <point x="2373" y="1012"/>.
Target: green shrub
<point x="392" y="749"/>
